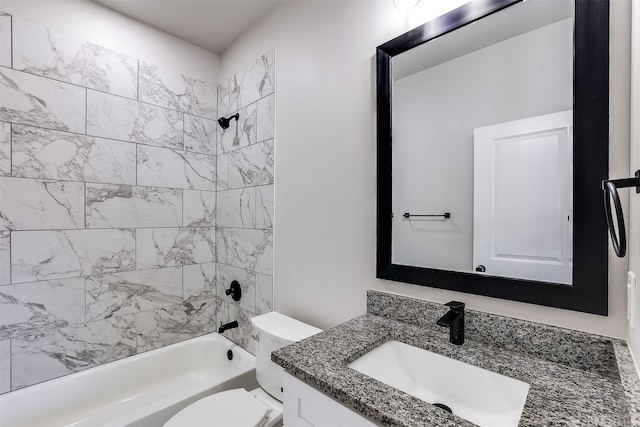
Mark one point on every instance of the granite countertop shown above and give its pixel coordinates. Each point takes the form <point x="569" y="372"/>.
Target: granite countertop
<point x="576" y="379"/>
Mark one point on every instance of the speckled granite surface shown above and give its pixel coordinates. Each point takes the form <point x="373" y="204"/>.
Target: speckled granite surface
<point x="576" y="379"/>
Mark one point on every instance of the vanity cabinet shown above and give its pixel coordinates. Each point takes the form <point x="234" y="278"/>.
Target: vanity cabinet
<point x="305" y="406"/>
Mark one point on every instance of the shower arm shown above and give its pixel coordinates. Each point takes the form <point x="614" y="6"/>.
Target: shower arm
<point x="224" y="121"/>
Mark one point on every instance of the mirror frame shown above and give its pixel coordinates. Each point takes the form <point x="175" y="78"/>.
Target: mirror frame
<point x="589" y="292"/>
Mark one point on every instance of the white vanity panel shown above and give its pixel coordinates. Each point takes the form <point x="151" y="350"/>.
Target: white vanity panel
<point x="305" y="406"/>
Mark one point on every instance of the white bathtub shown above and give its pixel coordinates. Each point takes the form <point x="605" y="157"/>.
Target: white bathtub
<point x="140" y="391"/>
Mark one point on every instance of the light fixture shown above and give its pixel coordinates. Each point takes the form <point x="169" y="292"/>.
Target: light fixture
<point x="405" y="4"/>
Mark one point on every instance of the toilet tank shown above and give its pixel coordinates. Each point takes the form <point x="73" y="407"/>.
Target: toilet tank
<point x="274" y="331"/>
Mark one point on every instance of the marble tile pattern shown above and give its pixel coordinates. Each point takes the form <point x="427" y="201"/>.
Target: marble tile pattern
<point x="264" y="206"/>
<point x="574" y="393"/>
<point x="119" y="118"/>
<point x="110" y="170"/>
<point x="246" y="248"/>
<point x="168" y="325"/>
<point x="30" y="204"/>
<point x="163" y="167"/>
<point x="41" y="51"/>
<point x="70" y="349"/>
<point x="253" y="82"/>
<point x="222" y="172"/>
<point x="128" y="206"/>
<point x="200" y="134"/>
<point x="168" y="89"/>
<point x="42" y="153"/>
<point x="5" y="149"/>
<point x="251" y="166"/>
<point x="245" y="195"/>
<point x="165" y="247"/>
<point x="33" y="100"/>
<point x="5" y="257"/>
<point x="32" y="308"/>
<point x="246" y="167"/>
<point x="45" y="255"/>
<point x="116" y="294"/>
<point x="5" y="366"/>
<point x="223" y="98"/>
<point x="237" y="208"/>
<point x="198" y="208"/>
<point x="247" y="280"/>
<point x="264" y="293"/>
<point x="107" y="204"/>
<point x="199" y="282"/>
<point x="266" y="118"/>
<point x="228" y="312"/>
<point x="5" y="39"/>
<point x="241" y="132"/>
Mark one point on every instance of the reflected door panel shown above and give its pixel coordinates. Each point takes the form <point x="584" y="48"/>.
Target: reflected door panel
<point x="522" y="198"/>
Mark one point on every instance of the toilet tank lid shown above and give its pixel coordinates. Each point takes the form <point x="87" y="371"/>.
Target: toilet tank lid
<point x="283" y="326"/>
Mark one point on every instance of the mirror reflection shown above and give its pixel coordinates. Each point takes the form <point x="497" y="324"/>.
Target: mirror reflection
<point x="482" y="147"/>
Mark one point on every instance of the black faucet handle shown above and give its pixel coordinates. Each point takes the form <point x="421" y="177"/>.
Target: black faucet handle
<point x="235" y="291"/>
<point x="455" y="306"/>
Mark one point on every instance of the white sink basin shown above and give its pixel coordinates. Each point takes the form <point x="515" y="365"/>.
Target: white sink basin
<point x="475" y="394"/>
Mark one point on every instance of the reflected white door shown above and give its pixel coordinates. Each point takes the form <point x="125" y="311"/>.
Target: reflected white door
<point x="523" y="181"/>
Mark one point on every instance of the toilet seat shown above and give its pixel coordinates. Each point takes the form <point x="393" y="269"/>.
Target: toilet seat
<point x="231" y="408"/>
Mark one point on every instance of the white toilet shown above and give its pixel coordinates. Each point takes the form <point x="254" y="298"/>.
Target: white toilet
<point x="261" y="407"/>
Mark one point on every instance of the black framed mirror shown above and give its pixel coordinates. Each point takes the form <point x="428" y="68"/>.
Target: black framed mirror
<point x="587" y="290"/>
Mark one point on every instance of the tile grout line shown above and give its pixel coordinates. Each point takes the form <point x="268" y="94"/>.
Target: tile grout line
<point x="86" y="200"/>
<point x="11" y="149"/>
<point x="135" y="249"/>
<point x="183" y="190"/>
<point x="77" y="85"/>
<point x="184" y="298"/>
<point x="107" y="138"/>
<point x="136" y="164"/>
<point x="11" y="367"/>
<point x="10" y="259"/>
<point x="86" y="311"/>
<point x="12" y="48"/>
<point x="138" y="80"/>
<point x="175" y="227"/>
<point x="102" y="183"/>
<point x="11" y="175"/>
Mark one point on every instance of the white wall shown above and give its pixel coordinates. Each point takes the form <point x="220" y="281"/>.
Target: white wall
<point x="634" y="218"/>
<point x="433" y="163"/>
<point x="105" y="27"/>
<point x="324" y="244"/>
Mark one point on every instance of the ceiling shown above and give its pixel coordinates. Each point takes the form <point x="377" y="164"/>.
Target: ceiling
<point x="210" y="24"/>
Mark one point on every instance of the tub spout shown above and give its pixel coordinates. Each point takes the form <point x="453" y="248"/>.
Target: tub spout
<point x="225" y="326"/>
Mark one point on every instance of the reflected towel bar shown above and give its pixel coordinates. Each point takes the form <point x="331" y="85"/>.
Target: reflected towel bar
<point x="444" y="215"/>
<point x="610" y="188"/>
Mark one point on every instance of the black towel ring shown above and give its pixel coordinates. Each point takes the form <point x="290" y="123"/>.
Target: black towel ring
<point x="610" y="188"/>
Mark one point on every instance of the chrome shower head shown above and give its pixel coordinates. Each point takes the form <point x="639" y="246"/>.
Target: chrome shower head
<point x="224" y="121"/>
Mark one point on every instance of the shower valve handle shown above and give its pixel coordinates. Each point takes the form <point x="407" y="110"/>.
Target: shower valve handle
<point x="235" y="291"/>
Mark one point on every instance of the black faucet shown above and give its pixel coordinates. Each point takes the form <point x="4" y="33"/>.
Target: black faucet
<point x="230" y="325"/>
<point x="454" y="320"/>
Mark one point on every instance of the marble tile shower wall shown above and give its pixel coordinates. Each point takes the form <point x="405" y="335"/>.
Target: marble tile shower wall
<point x="107" y="205"/>
<point x="244" y="217"/>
